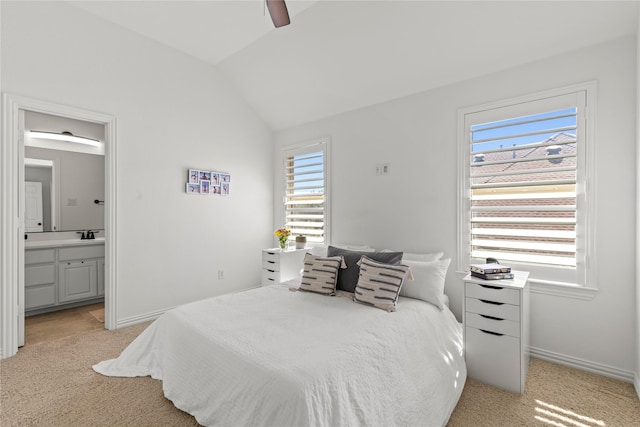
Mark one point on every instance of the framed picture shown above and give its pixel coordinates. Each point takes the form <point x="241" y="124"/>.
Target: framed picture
<point x="193" y="188"/>
<point x="215" y="178"/>
<point x="225" y="177"/>
<point x="205" y="186"/>
<point x="193" y="176"/>
<point x="215" y="189"/>
<point x="205" y="175"/>
<point x="224" y="188"/>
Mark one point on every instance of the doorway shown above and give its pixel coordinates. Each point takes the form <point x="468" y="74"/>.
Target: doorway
<point x="12" y="259"/>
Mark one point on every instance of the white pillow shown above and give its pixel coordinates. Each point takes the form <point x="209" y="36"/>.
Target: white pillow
<point x="428" y="281"/>
<point x="407" y="256"/>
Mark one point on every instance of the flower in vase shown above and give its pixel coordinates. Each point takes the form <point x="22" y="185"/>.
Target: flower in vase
<point x="282" y="234"/>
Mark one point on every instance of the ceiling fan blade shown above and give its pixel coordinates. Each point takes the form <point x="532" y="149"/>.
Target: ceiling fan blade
<point x="278" y="12"/>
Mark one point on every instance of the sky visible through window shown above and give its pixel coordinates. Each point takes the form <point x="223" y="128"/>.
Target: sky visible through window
<point x="522" y="130"/>
<point x="307" y="164"/>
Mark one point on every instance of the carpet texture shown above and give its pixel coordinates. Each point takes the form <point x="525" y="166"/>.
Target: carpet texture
<point x="52" y="384"/>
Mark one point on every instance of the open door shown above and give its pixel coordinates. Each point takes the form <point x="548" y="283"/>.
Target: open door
<point x="33" y="213"/>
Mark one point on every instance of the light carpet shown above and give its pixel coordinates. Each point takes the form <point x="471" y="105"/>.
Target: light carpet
<point x="52" y="384"/>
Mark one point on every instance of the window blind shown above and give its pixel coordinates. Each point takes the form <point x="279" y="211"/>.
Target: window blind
<point x="304" y="198"/>
<point x="523" y="189"/>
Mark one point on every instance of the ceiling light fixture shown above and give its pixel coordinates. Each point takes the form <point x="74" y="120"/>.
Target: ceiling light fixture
<point x="64" y="136"/>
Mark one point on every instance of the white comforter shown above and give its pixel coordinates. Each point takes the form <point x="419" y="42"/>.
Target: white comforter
<point x="271" y="357"/>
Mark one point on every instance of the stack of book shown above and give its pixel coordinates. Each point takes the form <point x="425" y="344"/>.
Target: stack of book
<point x="490" y="271"/>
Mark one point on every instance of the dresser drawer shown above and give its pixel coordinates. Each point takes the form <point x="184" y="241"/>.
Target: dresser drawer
<point x="271" y="265"/>
<point x="505" y="327"/>
<point x="32" y="256"/>
<point x="499" y="309"/>
<point x="270" y="277"/>
<point x="273" y="256"/>
<point x="493" y="293"/>
<point x="494" y="359"/>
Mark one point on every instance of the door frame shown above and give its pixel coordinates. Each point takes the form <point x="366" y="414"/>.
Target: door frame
<point x="12" y="208"/>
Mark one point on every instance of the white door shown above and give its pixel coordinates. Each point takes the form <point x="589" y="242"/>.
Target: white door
<point x="33" y="206"/>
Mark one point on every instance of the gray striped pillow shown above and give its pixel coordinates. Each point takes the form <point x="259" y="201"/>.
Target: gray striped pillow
<point x="379" y="284"/>
<point x="320" y="274"/>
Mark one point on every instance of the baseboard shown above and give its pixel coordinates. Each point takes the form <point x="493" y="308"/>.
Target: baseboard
<point x="636" y="383"/>
<point x="141" y="318"/>
<point x="585" y="365"/>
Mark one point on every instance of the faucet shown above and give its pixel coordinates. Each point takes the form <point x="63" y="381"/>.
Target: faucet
<point x="90" y="235"/>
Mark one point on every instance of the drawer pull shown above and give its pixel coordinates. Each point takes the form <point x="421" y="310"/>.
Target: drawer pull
<point x="271" y="271"/>
<point x="490" y="317"/>
<point x="271" y="262"/>
<point x="491" y="287"/>
<point x="490" y="332"/>
<point x="491" y="302"/>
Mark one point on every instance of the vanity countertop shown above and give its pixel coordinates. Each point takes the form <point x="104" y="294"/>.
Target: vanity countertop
<point x="32" y="244"/>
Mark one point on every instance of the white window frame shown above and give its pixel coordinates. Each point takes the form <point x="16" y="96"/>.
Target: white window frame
<point x="543" y="279"/>
<point x="311" y="146"/>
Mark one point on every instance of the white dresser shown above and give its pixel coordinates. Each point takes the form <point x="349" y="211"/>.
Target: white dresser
<point x="281" y="265"/>
<point x="496" y="330"/>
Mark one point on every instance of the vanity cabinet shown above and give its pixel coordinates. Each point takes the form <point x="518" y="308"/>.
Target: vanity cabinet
<point x="281" y="265"/>
<point x="55" y="277"/>
<point x="496" y="330"/>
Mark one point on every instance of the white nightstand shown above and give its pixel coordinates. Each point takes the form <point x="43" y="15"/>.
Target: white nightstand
<point x="280" y="265"/>
<point x="496" y="330"/>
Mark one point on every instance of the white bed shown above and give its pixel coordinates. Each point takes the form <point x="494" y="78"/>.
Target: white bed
<point x="272" y="357"/>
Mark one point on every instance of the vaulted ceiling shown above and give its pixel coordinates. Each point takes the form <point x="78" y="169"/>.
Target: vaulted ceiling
<point x="342" y="55"/>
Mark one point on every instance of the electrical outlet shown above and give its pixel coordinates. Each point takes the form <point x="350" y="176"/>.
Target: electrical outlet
<point x="385" y="169"/>
<point x="220" y="274"/>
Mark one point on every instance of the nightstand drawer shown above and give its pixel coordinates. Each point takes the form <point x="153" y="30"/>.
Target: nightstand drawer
<point x="270" y="277"/>
<point x="494" y="359"/>
<point x="273" y="256"/>
<point x="500" y="309"/>
<point x="493" y="293"/>
<point x="271" y="265"/>
<point x="495" y="325"/>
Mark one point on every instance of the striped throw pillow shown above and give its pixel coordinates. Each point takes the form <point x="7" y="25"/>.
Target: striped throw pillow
<point x="379" y="284"/>
<point x="320" y="274"/>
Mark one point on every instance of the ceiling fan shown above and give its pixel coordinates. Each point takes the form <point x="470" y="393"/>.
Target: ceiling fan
<point x="278" y="12"/>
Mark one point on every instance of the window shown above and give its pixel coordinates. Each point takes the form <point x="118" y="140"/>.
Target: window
<point x="306" y="191"/>
<point x="523" y="186"/>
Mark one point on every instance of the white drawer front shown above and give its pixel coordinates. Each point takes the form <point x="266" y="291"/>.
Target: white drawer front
<point x="81" y="252"/>
<point x="270" y="265"/>
<point x="32" y="256"/>
<point x="40" y="296"/>
<point x="271" y="256"/>
<point x="39" y="274"/>
<point x="493" y="293"/>
<point x="493" y="359"/>
<point x="501" y="310"/>
<point x="505" y="327"/>
<point x="270" y="277"/>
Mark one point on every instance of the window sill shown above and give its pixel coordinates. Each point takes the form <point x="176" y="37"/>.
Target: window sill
<point x="559" y="289"/>
<point x="562" y="289"/>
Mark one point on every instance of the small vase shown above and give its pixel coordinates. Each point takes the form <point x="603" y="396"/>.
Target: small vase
<point x="283" y="244"/>
<point x="301" y="242"/>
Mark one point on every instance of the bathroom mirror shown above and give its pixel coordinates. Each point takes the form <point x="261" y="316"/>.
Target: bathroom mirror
<point x="62" y="179"/>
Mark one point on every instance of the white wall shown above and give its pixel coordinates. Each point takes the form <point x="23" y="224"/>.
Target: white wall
<point x="173" y="112"/>
<point x="414" y="208"/>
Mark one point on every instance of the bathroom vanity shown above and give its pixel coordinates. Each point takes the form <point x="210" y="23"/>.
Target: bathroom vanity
<point x="63" y="273"/>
